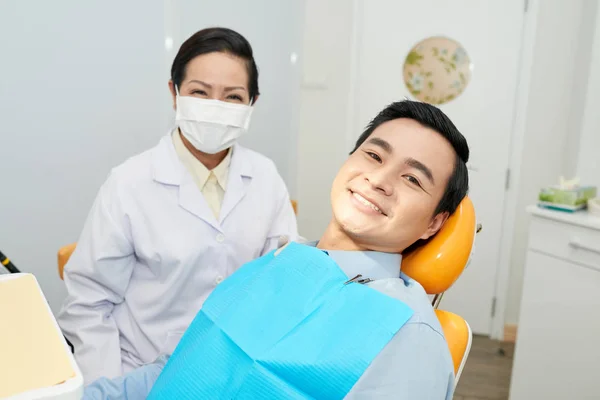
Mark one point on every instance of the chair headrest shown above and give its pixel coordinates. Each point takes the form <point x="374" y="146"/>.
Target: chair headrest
<point x="438" y="264"/>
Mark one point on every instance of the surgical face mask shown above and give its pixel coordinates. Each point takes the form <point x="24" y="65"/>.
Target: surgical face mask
<point x="211" y="125"/>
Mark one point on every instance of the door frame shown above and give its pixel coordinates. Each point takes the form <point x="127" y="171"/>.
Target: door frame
<point x="511" y="198"/>
<point x="510" y="201"/>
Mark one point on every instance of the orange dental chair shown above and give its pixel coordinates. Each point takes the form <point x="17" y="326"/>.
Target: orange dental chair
<point x="435" y="265"/>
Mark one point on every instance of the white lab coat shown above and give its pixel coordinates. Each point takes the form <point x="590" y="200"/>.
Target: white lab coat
<point x="151" y="251"/>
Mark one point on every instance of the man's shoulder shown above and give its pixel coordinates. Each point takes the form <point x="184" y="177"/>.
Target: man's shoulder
<point x="416" y="362"/>
<point x="411" y="293"/>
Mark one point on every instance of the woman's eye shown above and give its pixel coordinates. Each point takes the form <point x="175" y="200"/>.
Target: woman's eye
<point x="374" y="156"/>
<point x="235" y="97"/>
<point x="199" y="92"/>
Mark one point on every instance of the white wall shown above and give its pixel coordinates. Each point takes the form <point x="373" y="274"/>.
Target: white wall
<point x="324" y="109"/>
<point x="81" y="89"/>
<point x="83" y="86"/>
<point x="557" y="91"/>
<point x="588" y="167"/>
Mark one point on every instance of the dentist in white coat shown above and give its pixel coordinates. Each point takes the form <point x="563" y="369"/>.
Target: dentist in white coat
<point x="170" y="224"/>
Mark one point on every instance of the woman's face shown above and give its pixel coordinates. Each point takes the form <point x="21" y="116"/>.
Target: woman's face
<point x="216" y="76"/>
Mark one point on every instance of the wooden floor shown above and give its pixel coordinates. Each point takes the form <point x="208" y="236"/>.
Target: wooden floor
<point x="487" y="373"/>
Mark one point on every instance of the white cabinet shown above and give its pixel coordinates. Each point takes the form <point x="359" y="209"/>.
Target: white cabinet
<point x="557" y="354"/>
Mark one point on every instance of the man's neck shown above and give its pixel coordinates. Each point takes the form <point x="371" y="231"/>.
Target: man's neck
<point x="335" y="239"/>
<point x="210" y="161"/>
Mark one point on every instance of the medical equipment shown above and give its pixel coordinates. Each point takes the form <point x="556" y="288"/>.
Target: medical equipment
<point x="5" y="261"/>
<point x="358" y="279"/>
<point x="35" y="361"/>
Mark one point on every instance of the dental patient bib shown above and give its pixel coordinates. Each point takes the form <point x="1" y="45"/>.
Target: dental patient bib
<point x="285" y="326"/>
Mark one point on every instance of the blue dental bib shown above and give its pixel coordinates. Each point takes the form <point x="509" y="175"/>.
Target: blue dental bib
<point x="282" y="327"/>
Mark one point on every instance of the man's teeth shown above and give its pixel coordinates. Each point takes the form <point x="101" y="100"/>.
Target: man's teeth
<point x="366" y="202"/>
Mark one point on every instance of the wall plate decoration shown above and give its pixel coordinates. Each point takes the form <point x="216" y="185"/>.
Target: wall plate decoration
<point x="437" y="70"/>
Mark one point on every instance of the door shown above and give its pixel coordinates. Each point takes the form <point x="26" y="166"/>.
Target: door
<point x="490" y="32"/>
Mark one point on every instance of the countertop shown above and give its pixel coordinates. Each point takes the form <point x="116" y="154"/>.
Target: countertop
<point x="580" y="218"/>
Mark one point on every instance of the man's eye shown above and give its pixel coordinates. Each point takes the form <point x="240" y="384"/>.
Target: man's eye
<point x="374" y="156"/>
<point x="412" y="180"/>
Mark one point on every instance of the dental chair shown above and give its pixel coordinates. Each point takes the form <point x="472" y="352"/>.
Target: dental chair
<point x="435" y="265"/>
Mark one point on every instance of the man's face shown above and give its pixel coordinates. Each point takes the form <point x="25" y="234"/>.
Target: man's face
<point x="385" y="195"/>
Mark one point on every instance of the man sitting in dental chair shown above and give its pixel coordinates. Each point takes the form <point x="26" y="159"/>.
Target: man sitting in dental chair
<point x="337" y="318"/>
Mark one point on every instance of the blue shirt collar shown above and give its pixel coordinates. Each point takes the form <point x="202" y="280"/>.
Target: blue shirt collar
<point x="369" y="264"/>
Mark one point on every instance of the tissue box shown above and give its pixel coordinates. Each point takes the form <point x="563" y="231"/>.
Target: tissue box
<point x="566" y="199"/>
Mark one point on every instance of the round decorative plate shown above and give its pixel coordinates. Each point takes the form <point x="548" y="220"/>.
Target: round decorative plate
<point x="437" y="70"/>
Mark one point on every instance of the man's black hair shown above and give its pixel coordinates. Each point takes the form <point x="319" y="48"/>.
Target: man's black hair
<point x="431" y="117"/>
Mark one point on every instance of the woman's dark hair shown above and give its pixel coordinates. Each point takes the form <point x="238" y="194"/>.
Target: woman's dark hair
<point x="212" y="40"/>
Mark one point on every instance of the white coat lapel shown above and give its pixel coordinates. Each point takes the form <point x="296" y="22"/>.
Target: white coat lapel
<point x="168" y="170"/>
<point x="240" y="176"/>
<point x="192" y="200"/>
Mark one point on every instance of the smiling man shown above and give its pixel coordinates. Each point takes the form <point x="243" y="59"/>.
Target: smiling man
<point x="301" y="322"/>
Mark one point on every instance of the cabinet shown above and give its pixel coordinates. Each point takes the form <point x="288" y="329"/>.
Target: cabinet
<point x="557" y="353"/>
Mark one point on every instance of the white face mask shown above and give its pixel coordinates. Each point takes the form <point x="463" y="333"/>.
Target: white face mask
<point x="211" y="125"/>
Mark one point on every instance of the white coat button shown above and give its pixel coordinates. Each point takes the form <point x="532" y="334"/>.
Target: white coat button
<point x="220" y="238"/>
<point x="219" y="279"/>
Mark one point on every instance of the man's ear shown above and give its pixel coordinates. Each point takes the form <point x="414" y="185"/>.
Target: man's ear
<point x="173" y="94"/>
<point x="435" y="225"/>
